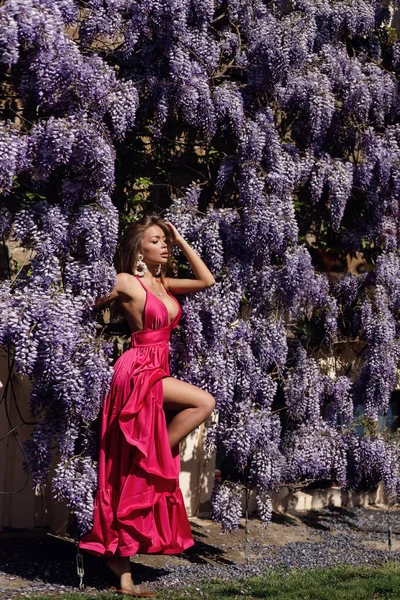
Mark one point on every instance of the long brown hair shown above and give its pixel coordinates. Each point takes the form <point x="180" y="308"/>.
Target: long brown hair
<point x="130" y="245"/>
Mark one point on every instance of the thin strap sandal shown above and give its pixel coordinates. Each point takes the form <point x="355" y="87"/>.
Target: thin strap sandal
<point x="139" y="591"/>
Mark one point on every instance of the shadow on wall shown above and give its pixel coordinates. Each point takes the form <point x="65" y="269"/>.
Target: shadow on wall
<point x="18" y="505"/>
<point x="197" y="473"/>
<point x="21" y="507"/>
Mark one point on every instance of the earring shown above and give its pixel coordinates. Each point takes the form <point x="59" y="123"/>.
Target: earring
<point x="158" y="271"/>
<point x="141" y="266"/>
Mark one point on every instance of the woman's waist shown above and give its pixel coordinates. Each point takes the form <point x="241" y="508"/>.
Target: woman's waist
<point x="150" y="337"/>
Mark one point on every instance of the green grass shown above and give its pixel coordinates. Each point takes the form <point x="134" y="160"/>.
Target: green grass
<point x="339" y="583"/>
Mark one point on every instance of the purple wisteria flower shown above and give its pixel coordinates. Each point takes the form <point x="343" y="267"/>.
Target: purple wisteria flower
<point x="274" y="128"/>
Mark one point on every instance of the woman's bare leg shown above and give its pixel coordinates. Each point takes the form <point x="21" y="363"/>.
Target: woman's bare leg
<point x="194" y="406"/>
<point x="121" y="566"/>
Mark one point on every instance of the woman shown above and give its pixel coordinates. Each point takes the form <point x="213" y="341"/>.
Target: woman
<point x="139" y="506"/>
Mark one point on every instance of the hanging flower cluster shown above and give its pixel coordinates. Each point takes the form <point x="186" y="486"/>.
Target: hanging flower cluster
<point x="67" y="220"/>
<point x="294" y="111"/>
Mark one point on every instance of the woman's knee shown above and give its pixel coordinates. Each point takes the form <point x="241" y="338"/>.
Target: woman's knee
<point x="208" y="404"/>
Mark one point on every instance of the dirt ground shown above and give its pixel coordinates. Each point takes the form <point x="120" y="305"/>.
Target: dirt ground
<point x="29" y="557"/>
<point x="28" y="552"/>
<point x="214" y="547"/>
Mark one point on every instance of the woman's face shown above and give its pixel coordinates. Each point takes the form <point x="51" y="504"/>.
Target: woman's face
<point x="154" y="246"/>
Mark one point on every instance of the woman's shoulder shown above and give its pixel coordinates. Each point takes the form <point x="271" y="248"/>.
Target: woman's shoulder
<point x="125" y="277"/>
<point x="126" y="282"/>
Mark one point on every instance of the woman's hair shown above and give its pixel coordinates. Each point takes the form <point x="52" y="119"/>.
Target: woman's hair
<point x="131" y="243"/>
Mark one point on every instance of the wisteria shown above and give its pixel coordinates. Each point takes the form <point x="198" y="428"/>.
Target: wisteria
<point x="13" y="151"/>
<point x="268" y="134"/>
<point x="227" y="504"/>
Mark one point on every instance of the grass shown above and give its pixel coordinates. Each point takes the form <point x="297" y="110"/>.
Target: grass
<point x="338" y="583"/>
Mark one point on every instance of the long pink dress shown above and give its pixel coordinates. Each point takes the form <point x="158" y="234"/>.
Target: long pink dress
<point x="139" y="506"/>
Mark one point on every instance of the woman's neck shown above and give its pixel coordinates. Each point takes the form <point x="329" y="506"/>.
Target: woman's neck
<point x="150" y="276"/>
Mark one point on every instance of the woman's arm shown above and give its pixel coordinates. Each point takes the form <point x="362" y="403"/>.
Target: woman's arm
<point x="121" y="283"/>
<point x="100" y="302"/>
<point x="204" y="278"/>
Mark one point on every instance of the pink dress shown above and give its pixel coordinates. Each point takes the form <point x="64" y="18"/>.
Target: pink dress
<point x="139" y="506"/>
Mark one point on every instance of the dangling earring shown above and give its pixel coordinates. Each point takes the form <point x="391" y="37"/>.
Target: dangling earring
<point x="158" y="271"/>
<point x="141" y="266"/>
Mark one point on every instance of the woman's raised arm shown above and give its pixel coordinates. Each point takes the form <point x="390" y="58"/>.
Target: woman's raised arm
<point x="204" y="277"/>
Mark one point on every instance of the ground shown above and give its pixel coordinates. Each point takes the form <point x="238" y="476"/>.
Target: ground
<point x="39" y="562"/>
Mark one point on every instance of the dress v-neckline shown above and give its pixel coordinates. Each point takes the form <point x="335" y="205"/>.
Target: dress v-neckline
<point x="160" y="301"/>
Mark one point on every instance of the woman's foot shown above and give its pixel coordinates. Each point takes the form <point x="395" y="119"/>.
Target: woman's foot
<point x="138" y="591"/>
<point x="121" y="567"/>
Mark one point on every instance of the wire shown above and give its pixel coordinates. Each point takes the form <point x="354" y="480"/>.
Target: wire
<point x="12" y="432"/>
<point x="14" y="396"/>
<point x="9" y="387"/>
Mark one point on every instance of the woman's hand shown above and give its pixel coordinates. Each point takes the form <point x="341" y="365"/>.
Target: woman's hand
<point x="204" y="277"/>
<point x="176" y="238"/>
